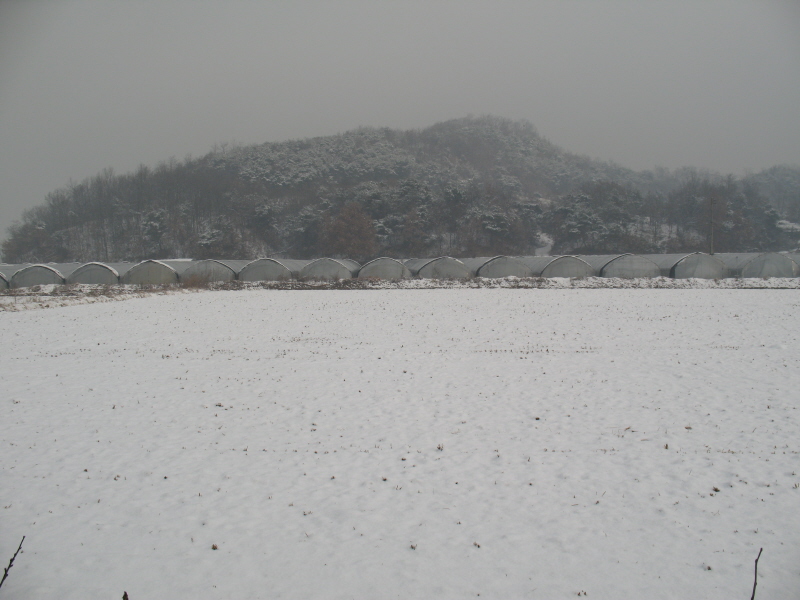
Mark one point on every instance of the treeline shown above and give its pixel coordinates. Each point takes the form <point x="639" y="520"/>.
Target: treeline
<point x="468" y="187"/>
<point x="702" y="214"/>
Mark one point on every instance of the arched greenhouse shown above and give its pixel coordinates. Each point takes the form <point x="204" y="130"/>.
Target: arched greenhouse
<point x="557" y="266"/>
<point x="474" y="264"/>
<point x="503" y="266"/>
<point x="272" y="269"/>
<point x="795" y="258"/>
<point x="98" y="273"/>
<point x="384" y="268"/>
<point x="751" y="264"/>
<point x="41" y="274"/>
<point x="330" y="269"/>
<point x="155" y="272"/>
<point x="7" y="272"/>
<point x="624" y="266"/>
<point x="211" y="270"/>
<point x="685" y="266"/>
<point x="444" y="267"/>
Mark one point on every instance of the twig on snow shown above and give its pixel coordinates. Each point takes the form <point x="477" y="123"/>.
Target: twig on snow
<point x="11" y="562"/>
<point x="755" y="577"/>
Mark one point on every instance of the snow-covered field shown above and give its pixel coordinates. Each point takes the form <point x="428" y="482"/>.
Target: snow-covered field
<point x="451" y="443"/>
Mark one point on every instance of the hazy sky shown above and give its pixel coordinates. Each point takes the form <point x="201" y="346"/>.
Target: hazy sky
<point x="90" y="85"/>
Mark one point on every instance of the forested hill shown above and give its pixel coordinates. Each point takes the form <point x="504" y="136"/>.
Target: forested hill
<point x="471" y="186"/>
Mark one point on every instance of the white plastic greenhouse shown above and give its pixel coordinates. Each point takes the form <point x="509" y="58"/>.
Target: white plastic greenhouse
<point x="751" y="264"/>
<point x="384" y="268"/>
<point x="684" y="266"/>
<point x="444" y="267"/>
<point x="501" y="266"/>
<point x="160" y="272"/>
<point x="7" y="272"/>
<point x="330" y="269"/>
<point x="211" y="270"/>
<point x="474" y="264"/>
<point x="272" y="269"/>
<point x="625" y="266"/>
<point x="557" y="266"/>
<point x="98" y="273"/>
<point x="42" y="274"/>
<point x="795" y="258"/>
<point x="155" y="272"/>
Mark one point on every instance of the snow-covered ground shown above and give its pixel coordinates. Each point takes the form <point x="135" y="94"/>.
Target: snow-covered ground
<point x="450" y="443"/>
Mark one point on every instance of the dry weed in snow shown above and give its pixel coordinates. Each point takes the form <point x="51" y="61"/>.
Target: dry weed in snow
<point x="55" y="296"/>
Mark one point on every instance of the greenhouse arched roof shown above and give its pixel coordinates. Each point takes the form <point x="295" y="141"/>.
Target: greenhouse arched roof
<point x="754" y="264"/>
<point x="384" y="268"/>
<point x="8" y="270"/>
<point x="557" y="266"/>
<point x="443" y="267"/>
<point x="272" y="269"/>
<point x="624" y="266"/>
<point x="497" y="267"/>
<point x="795" y="258"/>
<point x="155" y="272"/>
<point x="94" y="273"/>
<point x="208" y="271"/>
<point x="685" y="266"/>
<point x="329" y="269"/>
<point x="42" y="274"/>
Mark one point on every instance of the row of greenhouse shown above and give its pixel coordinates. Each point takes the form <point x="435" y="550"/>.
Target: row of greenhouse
<point x="160" y="272"/>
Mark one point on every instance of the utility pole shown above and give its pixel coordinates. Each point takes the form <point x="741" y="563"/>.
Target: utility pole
<point x="711" y="222"/>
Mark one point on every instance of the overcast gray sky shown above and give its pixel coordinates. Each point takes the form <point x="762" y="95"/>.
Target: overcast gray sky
<point x="90" y="85"/>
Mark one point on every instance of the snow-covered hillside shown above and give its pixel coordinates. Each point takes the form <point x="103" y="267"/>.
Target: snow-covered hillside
<point x="450" y="443"/>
